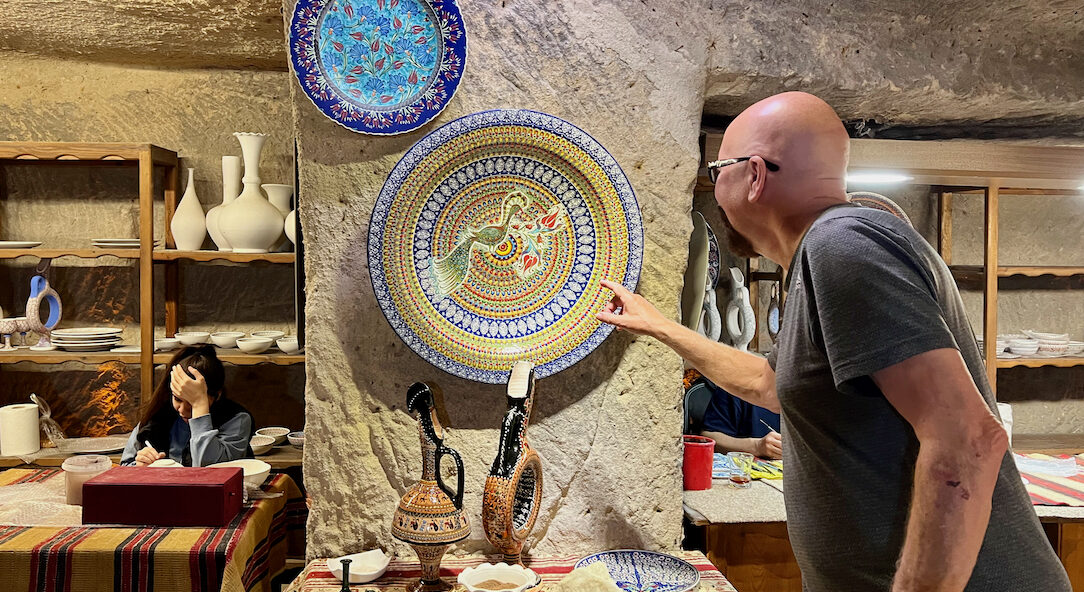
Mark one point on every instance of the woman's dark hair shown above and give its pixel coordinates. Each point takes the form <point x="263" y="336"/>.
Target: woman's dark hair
<point x="200" y="357"/>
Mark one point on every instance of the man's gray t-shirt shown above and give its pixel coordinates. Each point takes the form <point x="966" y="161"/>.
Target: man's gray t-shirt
<point x="865" y="292"/>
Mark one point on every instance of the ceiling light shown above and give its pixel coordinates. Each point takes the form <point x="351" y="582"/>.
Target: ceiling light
<point x="877" y="178"/>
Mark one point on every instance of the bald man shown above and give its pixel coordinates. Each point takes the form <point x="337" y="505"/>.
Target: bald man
<point x="898" y="472"/>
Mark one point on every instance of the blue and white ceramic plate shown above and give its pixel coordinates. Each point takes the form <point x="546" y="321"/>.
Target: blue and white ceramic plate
<point x="378" y="66"/>
<point x="646" y="571"/>
<point x="490" y="238"/>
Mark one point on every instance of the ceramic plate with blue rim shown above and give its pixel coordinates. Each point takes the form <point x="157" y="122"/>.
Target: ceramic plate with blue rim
<point x="490" y="238"/>
<point x="378" y="66"/>
<point x="646" y="571"/>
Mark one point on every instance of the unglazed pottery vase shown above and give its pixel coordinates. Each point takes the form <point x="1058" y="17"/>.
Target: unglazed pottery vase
<point x="513" y="491"/>
<point x="291" y="226"/>
<point x="430" y="515"/>
<point x="741" y="322"/>
<point x="251" y="224"/>
<point x="231" y="188"/>
<point x="189" y="224"/>
<point x="280" y="196"/>
<point x="40" y="291"/>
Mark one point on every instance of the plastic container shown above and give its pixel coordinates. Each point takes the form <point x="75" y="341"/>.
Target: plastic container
<point x="696" y="468"/>
<point x="80" y="469"/>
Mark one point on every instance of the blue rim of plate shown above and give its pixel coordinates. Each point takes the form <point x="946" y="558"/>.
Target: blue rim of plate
<point x="347" y="110"/>
<point x="450" y="131"/>
<point x="690" y="582"/>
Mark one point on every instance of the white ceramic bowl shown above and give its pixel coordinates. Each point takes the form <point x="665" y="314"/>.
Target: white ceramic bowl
<point x="1011" y="336"/>
<point x="288" y="345"/>
<point x="256" y="471"/>
<point x="167" y="463"/>
<point x="279" y="433"/>
<point x="518" y="576"/>
<point x="1047" y="336"/>
<point x="1075" y="348"/>
<point x="1024" y="347"/>
<point x="254" y="345"/>
<point x="1053" y="348"/>
<point x="364" y="567"/>
<point x="297" y="439"/>
<point x="192" y="337"/>
<point x="272" y="335"/>
<point x="167" y="344"/>
<point x="261" y="444"/>
<point x="226" y="339"/>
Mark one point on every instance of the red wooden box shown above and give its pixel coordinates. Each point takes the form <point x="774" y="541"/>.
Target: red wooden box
<point x="144" y="496"/>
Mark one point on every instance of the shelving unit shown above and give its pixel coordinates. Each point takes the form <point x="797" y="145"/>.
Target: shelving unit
<point x="146" y="157"/>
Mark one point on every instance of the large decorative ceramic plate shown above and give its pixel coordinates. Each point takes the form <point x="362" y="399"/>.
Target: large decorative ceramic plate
<point x="378" y="66"/>
<point x="489" y="239"/>
<point x="646" y="571"/>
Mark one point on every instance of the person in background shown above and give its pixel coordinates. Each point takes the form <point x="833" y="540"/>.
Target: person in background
<point x="189" y="419"/>
<point x="738" y="426"/>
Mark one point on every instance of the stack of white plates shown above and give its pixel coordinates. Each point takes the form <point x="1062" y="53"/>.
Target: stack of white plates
<point x="14" y="244"/>
<point x="116" y="243"/>
<point x="86" y="339"/>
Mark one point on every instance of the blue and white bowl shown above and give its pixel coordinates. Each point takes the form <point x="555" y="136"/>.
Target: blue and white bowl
<point x="646" y="571"/>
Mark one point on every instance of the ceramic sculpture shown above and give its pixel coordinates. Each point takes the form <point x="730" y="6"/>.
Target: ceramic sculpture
<point x="189" y="224"/>
<point x="711" y="323"/>
<point x="741" y="322"/>
<point x="430" y="515"/>
<point x="775" y="313"/>
<point x="40" y="291"/>
<point x="251" y="224"/>
<point x="231" y="188"/>
<point x="490" y="238"/>
<point x="513" y="490"/>
<point x="280" y="196"/>
<point x="378" y="66"/>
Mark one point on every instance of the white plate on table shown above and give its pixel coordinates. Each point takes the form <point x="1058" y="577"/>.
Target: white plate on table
<point x="19" y="244"/>
<point x="86" y="332"/>
<point x="102" y="445"/>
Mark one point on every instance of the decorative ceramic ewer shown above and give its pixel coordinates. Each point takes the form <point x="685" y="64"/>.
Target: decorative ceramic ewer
<point x="231" y="188"/>
<point x="189" y="224"/>
<point x="741" y="322"/>
<point x="40" y="291"/>
<point x="280" y="196"/>
<point x="514" y="487"/>
<point x="251" y="224"/>
<point x="430" y="515"/>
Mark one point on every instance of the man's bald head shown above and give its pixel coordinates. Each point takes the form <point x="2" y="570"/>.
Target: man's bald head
<point x="803" y="136"/>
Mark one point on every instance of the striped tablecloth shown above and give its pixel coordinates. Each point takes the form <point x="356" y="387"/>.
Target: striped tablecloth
<point x="1048" y="490"/>
<point x="242" y="556"/>
<point x="317" y="578"/>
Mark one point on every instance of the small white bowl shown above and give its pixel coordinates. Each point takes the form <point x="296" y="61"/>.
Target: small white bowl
<point x="261" y="444"/>
<point x="1053" y="348"/>
<point x="1075" y="348"/>
<point x="192" y="337"/>
<point x="1024" y="347"/>
<point x="518" y="576"/>
<point x="254" y="345"/>
<point x="167" y="344"/>
<point x="279" y="433"/>
<point x="297" y="439"/>
<point x="272" y="335"/>
<point x="364" y="567"/>
<point x="288" y="345"/>
<point x="226" y="339"/>
<point x="256" y="471"/>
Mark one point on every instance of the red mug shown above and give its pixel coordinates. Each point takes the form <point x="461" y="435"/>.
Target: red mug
<point x="696" y="468"/>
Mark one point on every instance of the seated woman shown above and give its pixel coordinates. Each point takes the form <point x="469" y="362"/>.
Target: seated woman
<point x="189" y="419"/>
<point x="736" y="426"/>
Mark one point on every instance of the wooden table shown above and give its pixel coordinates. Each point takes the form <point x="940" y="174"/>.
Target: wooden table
<point x="279" y="457"/>
<point x="317" y="578"/>
<point x="245" y="555"/>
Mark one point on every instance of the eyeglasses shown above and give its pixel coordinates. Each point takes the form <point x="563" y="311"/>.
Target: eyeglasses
<point x="714" y="166"/>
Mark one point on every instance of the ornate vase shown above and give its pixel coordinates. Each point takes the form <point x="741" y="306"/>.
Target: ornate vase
<point x="40" y="291"/>
<point x="189" y="225"/>
<point x="430" y="515"/>
<point x="251" y="224"/>
<point x="513" y="491"/>
<point x="231" y="188"/>
<point x="280" y="196"/>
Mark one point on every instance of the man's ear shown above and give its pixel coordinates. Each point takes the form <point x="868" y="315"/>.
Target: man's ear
<point x="758" y="177"/>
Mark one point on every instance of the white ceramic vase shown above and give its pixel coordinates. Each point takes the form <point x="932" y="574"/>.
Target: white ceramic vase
<point x="280" y="196"/>
<point x="189" y="224"/>
<point x="251" y="224"/>
<point x="231" y="188"/>
<point x="291" y="227"/>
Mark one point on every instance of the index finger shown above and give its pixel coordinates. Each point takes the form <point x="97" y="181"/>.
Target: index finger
<point x="195" y="373"/>
<point x="616" y="288"/>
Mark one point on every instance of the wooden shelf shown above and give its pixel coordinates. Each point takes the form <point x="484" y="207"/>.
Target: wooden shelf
<point x="239" y="358"/>
<point x="1048" y="443"/>
<point x="174" y="255"/>
<point x="85" y="153"/>
<point x="60" y="356"/>
<point x="1019" y="270"/>
<point x="1040" y="362"/>
<point x="85" y="253"/>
